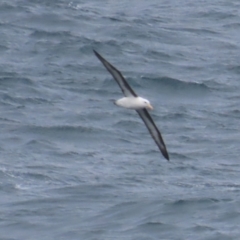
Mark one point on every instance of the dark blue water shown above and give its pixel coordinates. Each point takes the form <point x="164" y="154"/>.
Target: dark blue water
<point x="75" y="166"/>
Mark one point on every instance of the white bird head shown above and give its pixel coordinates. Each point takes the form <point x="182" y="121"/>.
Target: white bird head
<point x="145" y="103"/>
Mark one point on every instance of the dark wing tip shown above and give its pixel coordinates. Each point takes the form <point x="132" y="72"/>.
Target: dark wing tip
<point x="165" y="154"/>
<point x="97" y="54"/>
<point x="164" y="151"/>
<point x="104" y="61"/>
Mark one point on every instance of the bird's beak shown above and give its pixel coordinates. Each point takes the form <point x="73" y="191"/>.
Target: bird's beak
<point x="150" y="107"/>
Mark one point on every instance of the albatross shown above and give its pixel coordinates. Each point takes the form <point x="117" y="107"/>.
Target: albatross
<point x="133" y="101"/>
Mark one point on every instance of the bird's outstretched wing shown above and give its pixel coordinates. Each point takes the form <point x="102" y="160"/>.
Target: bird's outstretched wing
<point x="126" y="89"/>
<point x="152" y="128"/>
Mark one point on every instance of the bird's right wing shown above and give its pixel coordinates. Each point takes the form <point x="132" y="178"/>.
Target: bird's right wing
<point x="126" y="89"/>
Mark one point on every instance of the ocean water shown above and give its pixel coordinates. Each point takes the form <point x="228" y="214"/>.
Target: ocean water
<point x="75" y="166"/>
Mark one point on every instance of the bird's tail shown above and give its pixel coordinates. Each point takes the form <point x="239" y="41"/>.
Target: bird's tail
<point x="113" y="101"/>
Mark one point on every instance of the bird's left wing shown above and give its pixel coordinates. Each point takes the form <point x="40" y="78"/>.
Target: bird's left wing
<point x="126" y="89"/>
<point x="152" y="128"/>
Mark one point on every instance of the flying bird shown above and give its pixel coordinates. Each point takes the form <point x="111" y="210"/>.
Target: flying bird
<point x="133" y="101"/>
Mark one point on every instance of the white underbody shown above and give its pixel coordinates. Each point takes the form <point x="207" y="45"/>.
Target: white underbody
<point x="133" y="103"/>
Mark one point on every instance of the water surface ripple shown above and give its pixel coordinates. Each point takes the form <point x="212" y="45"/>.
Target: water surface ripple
<point x="74" y="166"/>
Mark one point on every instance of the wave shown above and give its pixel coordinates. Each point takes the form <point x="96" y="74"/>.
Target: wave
<point x="13" y="100"/>
<point x="176" y="84"/>
<point x="61" y="129"/>
<point x="15" y="79"/>
<point x="234" y="69"/>
<point x="57" y="34"/>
